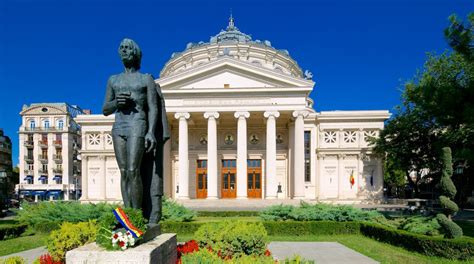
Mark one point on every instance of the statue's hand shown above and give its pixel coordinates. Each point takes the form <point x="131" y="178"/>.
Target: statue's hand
<point x="123" y="100"/>
<point x="150" y="142"/>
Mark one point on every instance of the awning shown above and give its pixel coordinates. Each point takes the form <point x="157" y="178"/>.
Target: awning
<point x="28" y="177"/>
<point x="43" y="177"/>
<point x="39" y="192"/>
<point x="57" y="177"/>
<point x="55" y="192"/>
<point x="26" y="192"/>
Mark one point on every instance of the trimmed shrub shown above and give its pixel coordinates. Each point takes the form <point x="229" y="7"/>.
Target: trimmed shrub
<point x="47" y="227"/>
<point x="180" y="228"/>
<point x="228" y="213"/>
<point x="172" y="211"/>
<point x="451" y="229"/>
<point x="430" y="246"/>
<point x="70" y="236"/>
<point x="11" y="231"/>
<point x="292" y="228"/>
<point x="317" y="212"/>
<point x="13" y="260"/>
<point x="233" y="238"/>
<point x="446" y="184"/>
<point x="449" y="207"/>
<point x="421" y="225"/>
<point x="108" y="223"/>
<point x="208" y="256"/>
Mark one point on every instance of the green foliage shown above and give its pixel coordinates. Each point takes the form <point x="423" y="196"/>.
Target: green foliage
<point x="11" y="231"/>
<point x="317" y="212"/>
<point x="296" y="260"/>
<point x="227" y="213"/>
<point x="451" y="229"/>
<point x="446" y="184"/>
<point x="431" y="246"/>
<point x="393" y="174"/>
<point x="205" y="256"/>
<point x="108" y="223"/>
<point x="461" y="36"/>
<point x="233" y="238"/>
<point x="449" y="207"/>
<point x="46" y="215"/>
<point x="290" y="228"/>
<point x="13" y="260"/>
<point x="180" y="228"/>
<point x="421" y="225"/>
<point x="173" y="211"/>
<point x="70" y="236"/>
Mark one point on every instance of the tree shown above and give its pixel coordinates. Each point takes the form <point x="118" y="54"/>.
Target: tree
<point x="437" y="110"/>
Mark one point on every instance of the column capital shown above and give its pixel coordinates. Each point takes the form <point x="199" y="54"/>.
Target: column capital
<point x="240" y="114"/>
<point x="208" y="115"/>
<point x="268" y="114"/>
<point x="298" y="113"/>
<point x="180" y="115"/>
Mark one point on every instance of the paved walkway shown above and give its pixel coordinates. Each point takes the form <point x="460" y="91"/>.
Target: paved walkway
<point x="320" y="252"/>
<point x="259" y="204"/>
<point x="29" y="255"/>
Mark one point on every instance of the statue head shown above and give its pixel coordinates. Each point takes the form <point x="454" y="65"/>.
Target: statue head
<point x="130" y="53"/>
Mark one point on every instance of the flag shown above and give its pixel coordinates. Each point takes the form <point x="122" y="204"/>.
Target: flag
<point x="352" y="179"/>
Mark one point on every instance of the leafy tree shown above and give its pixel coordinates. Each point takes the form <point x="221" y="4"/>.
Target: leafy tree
<point x="437" y="110"/>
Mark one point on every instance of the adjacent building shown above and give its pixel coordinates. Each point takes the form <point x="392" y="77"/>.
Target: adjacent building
<point x="49" y="140"/>
<point x="5" y="167"/>
<point x="243" y="127"/>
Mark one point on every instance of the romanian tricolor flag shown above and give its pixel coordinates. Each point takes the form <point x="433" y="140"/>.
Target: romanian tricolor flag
<point x="352" y="179"/>
<point x="123" y="219"/>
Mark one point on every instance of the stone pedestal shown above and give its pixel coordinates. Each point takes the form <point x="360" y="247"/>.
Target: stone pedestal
<point x="161" y="250"/>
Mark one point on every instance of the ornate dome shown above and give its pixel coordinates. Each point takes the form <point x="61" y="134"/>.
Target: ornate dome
<point x="236" y="44"/>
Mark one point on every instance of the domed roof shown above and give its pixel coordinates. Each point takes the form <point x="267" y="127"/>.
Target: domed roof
<point x="234" y="43"/>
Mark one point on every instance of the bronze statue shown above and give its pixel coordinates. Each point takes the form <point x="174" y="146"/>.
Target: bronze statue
<point x="139" y="132"/>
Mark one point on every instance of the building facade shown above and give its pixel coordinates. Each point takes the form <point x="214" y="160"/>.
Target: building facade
<point x="49" y="141"/>
<point x="243" y="127"/>
<point x="5" y="168"/>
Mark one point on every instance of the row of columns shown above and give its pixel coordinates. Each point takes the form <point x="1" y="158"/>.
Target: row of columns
<point x="270" y="159"/>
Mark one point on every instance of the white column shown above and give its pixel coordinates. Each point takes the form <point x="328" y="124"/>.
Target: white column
<point x="212" y="179"/>
<point x="299" y="186"/>
<point x="183" y="170"/>
<point x="242" y="153"/>
<point x="271" y="180"/>
<point x="84" y="176"/>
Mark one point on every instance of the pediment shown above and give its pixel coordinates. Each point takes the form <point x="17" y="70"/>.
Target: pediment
<point x="40" y="110"/>
<point x="230" y="73"/>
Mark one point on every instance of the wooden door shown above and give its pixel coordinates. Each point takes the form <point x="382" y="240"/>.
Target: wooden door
<point x="201" y="178"/>
<point x="229" y="184"/>
<point x="254" y="178"/>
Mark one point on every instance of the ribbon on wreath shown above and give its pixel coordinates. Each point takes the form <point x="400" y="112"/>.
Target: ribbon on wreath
<point x="125" y="222"/>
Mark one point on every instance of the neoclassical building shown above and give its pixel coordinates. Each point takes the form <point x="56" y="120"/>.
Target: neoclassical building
<point x="243" y="127"/>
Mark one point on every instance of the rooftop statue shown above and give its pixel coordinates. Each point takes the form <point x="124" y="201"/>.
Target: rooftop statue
<point x="139" y="132"/>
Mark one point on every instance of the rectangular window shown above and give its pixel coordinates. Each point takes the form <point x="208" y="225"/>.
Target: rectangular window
<point x="45" y="167"/>
<point x="31" y="167"/>
<point x="30" y="138"/>
<point x="30" y="153"/>
<point x="307" y="156"/>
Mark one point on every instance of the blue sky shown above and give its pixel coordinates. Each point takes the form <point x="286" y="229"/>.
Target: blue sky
<point x="360" y="52"/>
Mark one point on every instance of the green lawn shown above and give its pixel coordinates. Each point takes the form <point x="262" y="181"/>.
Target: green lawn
<point x="18" y="244"/>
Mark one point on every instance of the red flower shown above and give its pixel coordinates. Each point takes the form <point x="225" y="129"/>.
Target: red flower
<point x="121" y="243"/>
<point x="188" y="247"/>
<point x="47" y="259"/>
<point x="115" y="236"/>
<point x="268" y="253"/>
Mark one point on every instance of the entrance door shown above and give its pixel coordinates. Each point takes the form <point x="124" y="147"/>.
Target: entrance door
<point x="229" y="186"/>
<point x="201" y="177"/>
<point x="254" y="178"/>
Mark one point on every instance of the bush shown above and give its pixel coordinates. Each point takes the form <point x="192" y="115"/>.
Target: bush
<point x="430" y="246"/>
<point x="233" y="238"/>
<point x="451" y="229"/>
<point x="421" y="225"/>
<point x="49" y="214"/>
<point x="317" y="212"/>
<point x="70" y="236"/>
<point x="180" y="228"/>
<point x="172" y="211"/>
<point x="290" y="228"/>
<point x="11" y="231"/>
<point x="13" y="260"/>
<point x="47" y="227"/>
<point x="228" y="213"/>
<point x="449" y="207"/>
<point x="206" y="256"/>
<point x="108" y="223"/>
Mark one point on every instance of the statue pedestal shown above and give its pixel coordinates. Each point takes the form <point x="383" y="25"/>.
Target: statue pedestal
<point x="162" y="249"/>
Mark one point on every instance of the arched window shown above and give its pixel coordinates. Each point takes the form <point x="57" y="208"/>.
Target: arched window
<point x="32" y="124"/>
<point x="60" y="124"/>
<point x="46" y="123"/>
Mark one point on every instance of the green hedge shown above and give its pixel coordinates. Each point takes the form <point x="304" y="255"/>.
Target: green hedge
<point x="228" y="213"/>
<point x="292" y="228"/>
<point x="462" y="248"/>
<point x="12" y="231"/>
<point x="180" y="228"/>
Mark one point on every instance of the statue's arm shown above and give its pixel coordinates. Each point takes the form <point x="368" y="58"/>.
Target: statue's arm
<point x="164" y="118"/>
<point x="110" y="102"/>
<point x="152" y="101"/>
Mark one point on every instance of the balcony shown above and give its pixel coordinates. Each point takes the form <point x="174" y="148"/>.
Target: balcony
<point x="43" y="143"/>
<point x="43" y="171"/>
<point x="43" y="158"/>
<point x="28" y="143"/>
<point x="28" y="159"/>
<point x="58" y="170"/>
<point x="33" y="129"/>
<point x="58" y="158"/>
<point x="58" y="143"/>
